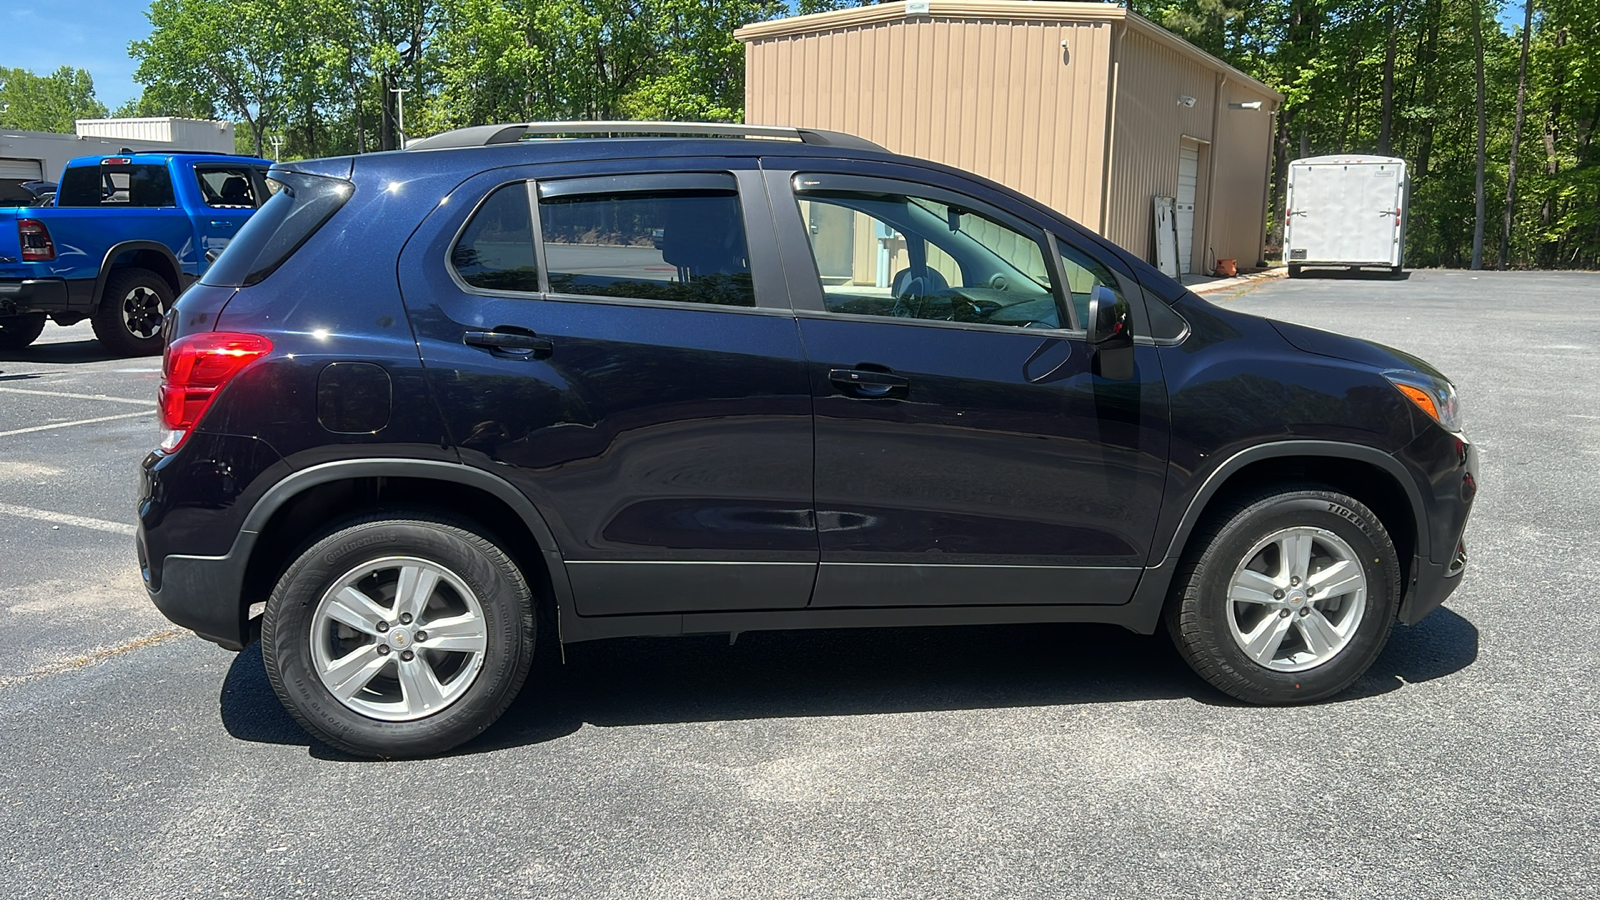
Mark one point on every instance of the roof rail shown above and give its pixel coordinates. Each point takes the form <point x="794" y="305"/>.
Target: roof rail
<point x="486" y="135"/>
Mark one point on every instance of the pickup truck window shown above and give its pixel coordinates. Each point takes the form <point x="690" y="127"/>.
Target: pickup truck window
<point x="227" y="187"/>
<point x="125" y="185"/>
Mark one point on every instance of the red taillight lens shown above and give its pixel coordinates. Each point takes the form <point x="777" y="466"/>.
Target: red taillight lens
<point x="35" y="240"/>
<point x="194" y="368"/>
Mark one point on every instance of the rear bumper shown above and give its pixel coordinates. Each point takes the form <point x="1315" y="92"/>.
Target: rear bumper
<point x="201" y="593"/>
<point x="31" y="295"/>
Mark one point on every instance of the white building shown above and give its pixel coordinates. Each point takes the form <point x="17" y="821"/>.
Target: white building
<point x="40" y="155"/>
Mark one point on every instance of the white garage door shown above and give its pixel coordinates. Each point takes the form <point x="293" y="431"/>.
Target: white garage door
<point x="20" y="169"/>
<point x="1188" y="180"/>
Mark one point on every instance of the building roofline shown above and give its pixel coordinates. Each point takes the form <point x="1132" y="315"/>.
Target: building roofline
<point x="1026" y="10"/>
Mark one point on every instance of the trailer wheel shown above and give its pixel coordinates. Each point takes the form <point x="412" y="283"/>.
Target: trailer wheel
<point x="1294" y="271"/>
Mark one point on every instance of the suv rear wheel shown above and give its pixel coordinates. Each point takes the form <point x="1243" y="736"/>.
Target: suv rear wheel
<point x="128" y="319"/>
<point x="399" y="637"/>
<point x="1290" y="597"/>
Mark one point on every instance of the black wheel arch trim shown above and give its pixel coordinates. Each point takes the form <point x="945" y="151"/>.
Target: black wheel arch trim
<point x="109" y="263"/>
<point x="299" y="481"/>
<point x="1286" y="449"/>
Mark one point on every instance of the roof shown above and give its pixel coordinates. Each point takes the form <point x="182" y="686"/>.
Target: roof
<point x="1347" y="159"/>
<point x="152" y="156"/>
<point x="990" y="10"/>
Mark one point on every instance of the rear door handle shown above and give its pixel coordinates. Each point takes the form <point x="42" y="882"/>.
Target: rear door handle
<point x="222" y="223"/>
<point x="866" y="382"/>
<point x="511" y="343"/>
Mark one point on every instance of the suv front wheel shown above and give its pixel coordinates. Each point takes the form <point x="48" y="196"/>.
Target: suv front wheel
<point x="1290" y="597"/>
<point x="399" y="637"/>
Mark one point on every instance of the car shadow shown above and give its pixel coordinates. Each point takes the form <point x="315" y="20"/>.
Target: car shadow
<point x="1354" y="274"/>
<point x="61" y="352"/>
<point x="766" y="675"/>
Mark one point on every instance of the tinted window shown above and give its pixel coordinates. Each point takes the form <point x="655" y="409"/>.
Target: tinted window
<point x="916" y="258"/>
<point x="495" y="250"/>
<point x="1084" y="273"/>
<point x="299" y="205"/>
<point x="227" y="187"/>
<point x="134" y="185"/>
<point x="687" y="246"/>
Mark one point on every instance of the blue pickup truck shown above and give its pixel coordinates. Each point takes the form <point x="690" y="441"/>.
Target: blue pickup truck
<point x="125" y="236"/>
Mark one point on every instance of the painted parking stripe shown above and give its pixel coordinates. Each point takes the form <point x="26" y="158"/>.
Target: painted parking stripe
<point x="55" y="518"/>
<point x="12" y="390"/>
<point x="55" y="425"/>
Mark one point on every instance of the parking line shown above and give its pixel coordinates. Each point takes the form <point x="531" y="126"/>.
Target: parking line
<point x="44" y="515"/>
<point x="78" y="422"/>
<point x="12" y="390"/>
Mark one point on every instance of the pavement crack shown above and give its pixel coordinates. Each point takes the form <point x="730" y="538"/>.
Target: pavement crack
<point x="79" y="663"/>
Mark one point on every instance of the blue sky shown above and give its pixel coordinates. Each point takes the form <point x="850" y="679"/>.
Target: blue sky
<point x="44" y="35"/>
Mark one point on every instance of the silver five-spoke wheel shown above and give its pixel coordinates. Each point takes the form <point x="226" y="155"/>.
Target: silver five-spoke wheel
<point x="398" y="638"/>
<point x="1297" y="599"/>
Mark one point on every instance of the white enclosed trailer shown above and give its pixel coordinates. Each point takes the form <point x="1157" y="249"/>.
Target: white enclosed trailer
<point x="1345" y="211"/>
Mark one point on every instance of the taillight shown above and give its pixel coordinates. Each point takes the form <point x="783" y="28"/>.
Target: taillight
<point x="194" y="369"/>
<point x="35" y="240"/>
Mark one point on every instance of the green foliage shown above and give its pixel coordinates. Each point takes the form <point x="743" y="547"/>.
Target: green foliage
<point x="30" y="102"/>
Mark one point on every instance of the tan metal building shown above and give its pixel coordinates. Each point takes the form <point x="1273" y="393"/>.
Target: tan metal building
<point x="1086" y="107"/>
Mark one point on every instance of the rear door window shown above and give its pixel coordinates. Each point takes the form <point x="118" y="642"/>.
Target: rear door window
<point x="676" y="237"/>
<point x="116" y="185"/>
<point x="228" y="187"/>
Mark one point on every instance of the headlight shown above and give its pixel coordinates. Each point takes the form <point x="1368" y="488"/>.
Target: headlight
<point x="1432" y="394"/>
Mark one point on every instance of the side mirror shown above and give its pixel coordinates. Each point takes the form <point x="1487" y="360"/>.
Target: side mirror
<point x="1110" y="328"/>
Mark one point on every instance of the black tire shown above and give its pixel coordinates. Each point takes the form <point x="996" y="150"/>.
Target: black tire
<point x="1201" y="618"/>
<point x="128" y="318"/>
<point x="1294" y="271"/>
<point x="17" y="332"/>
<point x="290" y="626"/>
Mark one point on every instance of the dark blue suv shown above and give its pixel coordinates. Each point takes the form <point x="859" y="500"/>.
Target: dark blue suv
<point x="432" y="405"/>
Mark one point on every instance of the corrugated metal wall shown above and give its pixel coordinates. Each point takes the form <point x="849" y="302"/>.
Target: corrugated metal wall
<point x="1151" y="121"/>
<point x="997" y="97"/>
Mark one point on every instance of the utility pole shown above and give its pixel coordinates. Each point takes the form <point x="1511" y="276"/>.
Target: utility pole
<point x="400" y="102"/>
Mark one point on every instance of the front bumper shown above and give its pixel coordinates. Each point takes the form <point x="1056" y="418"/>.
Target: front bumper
<point x="33" y="295"/>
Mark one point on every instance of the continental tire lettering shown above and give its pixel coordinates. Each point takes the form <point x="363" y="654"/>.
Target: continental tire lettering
<point x="1349" y="516"/>
<point x="349" y="547"/>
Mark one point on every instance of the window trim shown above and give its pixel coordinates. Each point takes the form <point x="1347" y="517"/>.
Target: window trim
<point x="834" y="182"/>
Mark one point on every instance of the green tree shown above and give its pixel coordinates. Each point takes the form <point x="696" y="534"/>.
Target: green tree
<point x="53" y="102"/>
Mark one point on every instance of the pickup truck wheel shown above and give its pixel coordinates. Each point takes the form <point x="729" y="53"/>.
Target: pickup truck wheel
<point x="17" y="332"/>
<point x="128" y="319"/>
<point x="399" y="636"/>
<point x="1289" y="598"/>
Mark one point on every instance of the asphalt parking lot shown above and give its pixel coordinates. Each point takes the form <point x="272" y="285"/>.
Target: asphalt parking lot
<point x="136" y="761"/>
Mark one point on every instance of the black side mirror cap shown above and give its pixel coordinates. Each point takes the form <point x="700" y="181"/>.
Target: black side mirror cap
<point x="1110" y="334"/>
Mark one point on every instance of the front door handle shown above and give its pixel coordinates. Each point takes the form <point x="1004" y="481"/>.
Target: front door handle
<point x="511" y="343"/>
<point x="867" y="382"/>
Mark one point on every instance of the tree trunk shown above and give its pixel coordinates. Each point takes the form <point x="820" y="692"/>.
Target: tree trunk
<point x="1547" y="208"/>
<point x="1430" y="89"/>
<point x="1386" y="104"/>
<point x="1483" y="128"/>
<point x="1516" y="137"/>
